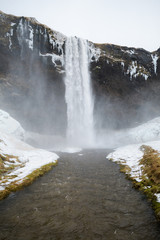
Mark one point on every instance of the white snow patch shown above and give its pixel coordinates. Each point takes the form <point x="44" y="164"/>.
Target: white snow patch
<point x="10" y="41"/>
<point x="54" y="57"/>
<point x="59" y="36"/>
<point x="10" y="126"/>
<point x="122" y="64"/>
<point x="148" y="131"/>
<point x="130" y="51"/>
<point x="12" y="24"/>
<point x="132" y="69"/>
<point x="57" y="40"/>
<point x="95" y="52"/>
<point x="158" y="197"/>
<point x="154" y="61"/>
<point x="11" y="32"/>
<point x="131" y="155"/>
<point x="141" y="74"/>
<point x="30" y="157"/>
<point x="145" y="76"/>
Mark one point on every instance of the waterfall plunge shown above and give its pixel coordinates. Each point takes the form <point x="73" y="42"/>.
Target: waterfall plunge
<point x="78" y="94"/>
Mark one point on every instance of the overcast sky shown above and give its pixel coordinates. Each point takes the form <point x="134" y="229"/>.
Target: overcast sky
<point x="132" y="23"/>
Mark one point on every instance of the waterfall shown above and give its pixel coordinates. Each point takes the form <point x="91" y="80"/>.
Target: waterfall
<point x="78" y="93"/>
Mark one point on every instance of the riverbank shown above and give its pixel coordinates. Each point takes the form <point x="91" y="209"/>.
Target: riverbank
<point x="20" y="164"/>
<point x="141" y="164"/>
<point x="84" y="197"/>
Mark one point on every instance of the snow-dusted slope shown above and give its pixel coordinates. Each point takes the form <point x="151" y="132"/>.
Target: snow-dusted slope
<point x="148" y="131"/>
<point x="23" y="159"/>
<point x="147" y="134"/>
<point x="131" y="155"/>
<point x="18" y="159"/>
<point x="10" y="126"/>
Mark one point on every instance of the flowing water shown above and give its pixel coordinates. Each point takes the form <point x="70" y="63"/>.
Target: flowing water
<point x="78" y="92"/>
<point x="85" y="197"/>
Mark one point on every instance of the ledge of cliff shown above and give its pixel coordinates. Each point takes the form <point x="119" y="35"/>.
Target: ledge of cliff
<point x="125" y="80"/>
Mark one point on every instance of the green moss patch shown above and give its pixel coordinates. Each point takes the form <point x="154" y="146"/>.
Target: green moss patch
<point x="17" y="185"/>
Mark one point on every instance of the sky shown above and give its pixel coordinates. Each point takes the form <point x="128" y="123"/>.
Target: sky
<point x="132" y="23"/>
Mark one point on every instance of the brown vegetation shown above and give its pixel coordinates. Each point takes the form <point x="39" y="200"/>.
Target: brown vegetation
<point x="16" y="185"/>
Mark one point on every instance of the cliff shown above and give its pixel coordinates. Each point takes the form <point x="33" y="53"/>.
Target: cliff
<point x="31" y="58"/>
<point x="125" y="80"/>
<point x="128" y="80"/>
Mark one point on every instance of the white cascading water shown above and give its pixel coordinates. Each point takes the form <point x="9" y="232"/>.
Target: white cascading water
<point x="78" y="94"/>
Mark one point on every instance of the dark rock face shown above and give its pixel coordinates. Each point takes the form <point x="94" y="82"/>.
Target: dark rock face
<point x="126" y="85"/>
<point x="125" y="80"/>
<point x="30" y="59"/>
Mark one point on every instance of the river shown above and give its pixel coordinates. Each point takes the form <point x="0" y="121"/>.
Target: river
<point x="85" y="197"/>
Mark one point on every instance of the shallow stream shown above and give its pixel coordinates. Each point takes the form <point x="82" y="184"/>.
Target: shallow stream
<point x="85" y="197"/>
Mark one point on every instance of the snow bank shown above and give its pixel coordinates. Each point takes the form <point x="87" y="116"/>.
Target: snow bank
<point x="18" y="159"/>
<point x="131" y="155"/>
<point x="25" y="159"/>
<point x="10" y="126"/>
<point x="148" y="131"/>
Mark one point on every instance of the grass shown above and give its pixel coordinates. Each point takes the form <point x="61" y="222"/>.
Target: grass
<point x="150" y="178"/>
<point x="151" y="164"/>
<point x="16" y="185"/>
<point x="125" y="168"/>
<point x="10" y="160"/>
<point x="150" y="183"/>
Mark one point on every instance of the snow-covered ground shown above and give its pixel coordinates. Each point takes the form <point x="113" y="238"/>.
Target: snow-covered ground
<point x="148" y="131"/>
<point x="130" y="155"/>
<point x="20" y="158"/>
<point x="10" y="126"/>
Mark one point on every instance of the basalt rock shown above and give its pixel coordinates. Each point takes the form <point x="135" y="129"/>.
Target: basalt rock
<point x="125" y="80"/>
<point x="126" y="85"/>
<point x="31" y="58"/>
